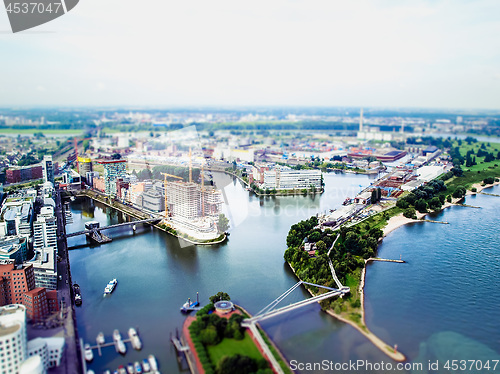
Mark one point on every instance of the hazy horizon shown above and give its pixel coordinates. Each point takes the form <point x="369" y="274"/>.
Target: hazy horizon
<point x="440" y="55"/>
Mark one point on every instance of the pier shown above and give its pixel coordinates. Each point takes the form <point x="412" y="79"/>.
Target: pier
<point x="113" y="343"/>
<point x="385" y="260"/>
<point x="489" y="194"/>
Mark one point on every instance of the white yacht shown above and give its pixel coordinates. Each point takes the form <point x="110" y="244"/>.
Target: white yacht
<point x="153" y="362"/>
<point x="119" y="344"/>
<point x="134" y="339"/>
<point x="89" y="355"/>
<point x="110" y="286"/>
<point x="100" y="339"/>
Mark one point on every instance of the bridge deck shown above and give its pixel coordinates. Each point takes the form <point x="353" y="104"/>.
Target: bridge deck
<point x="149" y="220"/>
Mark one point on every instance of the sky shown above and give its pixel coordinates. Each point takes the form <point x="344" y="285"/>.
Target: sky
<point x="366" y="53"/>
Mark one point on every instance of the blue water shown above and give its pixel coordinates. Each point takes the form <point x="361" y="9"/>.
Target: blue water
<point x="445" y="300"/>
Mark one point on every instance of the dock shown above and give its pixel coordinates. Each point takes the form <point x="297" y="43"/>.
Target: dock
<point x="489" y="194"/>
<point x="385" y="260"/>
<point x="178" y="345"/>
<point x="110" y="344"/>
<point x="190" y="306"/>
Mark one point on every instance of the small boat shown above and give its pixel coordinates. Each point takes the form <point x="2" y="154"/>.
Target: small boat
<point x="90" y="371"/>
<point x="110" y="287"/>
<point x="130" y="368"/>
<point x="137" y="367"/>
<point x="119" y="344"/>
<point x="100" y="339"/>
<point x="121" y="369"/>
<point x="153" y="362"/>
<point x="134" y="339"/>
<point x="107" y="372"/>
<point x="145" y="366"/>
<point x="89" y="355"/>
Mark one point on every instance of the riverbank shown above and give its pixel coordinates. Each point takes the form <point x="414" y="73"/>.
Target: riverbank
<point x="138" y="214"/>
<point x="362" y="328"/>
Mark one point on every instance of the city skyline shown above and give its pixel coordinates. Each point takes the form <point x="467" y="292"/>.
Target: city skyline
<point x="288" y="53"/>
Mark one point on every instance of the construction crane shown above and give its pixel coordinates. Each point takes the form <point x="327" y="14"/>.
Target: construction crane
<point x="165" y="175"/>
<point x="190" y="167"/>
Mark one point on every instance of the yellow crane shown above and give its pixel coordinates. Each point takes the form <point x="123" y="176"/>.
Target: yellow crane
<point x="165" y="175"/>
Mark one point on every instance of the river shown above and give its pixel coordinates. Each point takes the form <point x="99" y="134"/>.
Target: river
<point x="157" y="273"/>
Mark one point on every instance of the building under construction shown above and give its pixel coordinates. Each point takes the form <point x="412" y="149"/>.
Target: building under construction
<point x="190" y="200"/>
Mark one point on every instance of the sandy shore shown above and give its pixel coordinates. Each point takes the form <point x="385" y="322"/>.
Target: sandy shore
<point x="396" y="222"/>
<point x="479" y="187"/>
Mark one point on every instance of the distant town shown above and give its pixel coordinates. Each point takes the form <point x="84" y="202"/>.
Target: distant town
<point x="158" y="166"/>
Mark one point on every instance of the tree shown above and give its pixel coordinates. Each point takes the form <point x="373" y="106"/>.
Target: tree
<point x="116" y="156"/>
<point x="410" y="213"/>
<point x="459" y="192"/>
<point x="219" y="296"/>
<point x="421" y="205"/>
<point x="223" y="223"/>
<point x="321" y="246"/>
<point x="236" y="364"/>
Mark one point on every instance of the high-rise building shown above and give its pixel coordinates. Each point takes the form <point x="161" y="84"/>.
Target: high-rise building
<point x="15" y="280"/>
<point x="84" y="165"/>
<point x="183" y="199"/>
<point x="45" y="246"/>
<point x="113" y="169"/>
<point x="35" y="301"/>
<point x="13" y="338"/>
<point x="48" y="169"/>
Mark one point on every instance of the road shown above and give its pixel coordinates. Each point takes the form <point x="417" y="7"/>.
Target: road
<point x="71" y="361"/>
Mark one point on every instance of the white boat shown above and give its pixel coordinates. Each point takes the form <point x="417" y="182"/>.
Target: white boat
<point x="146" y="368"/>
<point x="107" y="372"/>
<point x="137" y="367"/>
<point x="89" y="355"/>
<point x="134" y="339"/>
<point x="119" y="344"/>
<point x="153" y="362"/>
<point x="90" y="371"/>
<point x="100" y="339"/>
<point x="130" y="368"/>
<point x="110" y="286"/>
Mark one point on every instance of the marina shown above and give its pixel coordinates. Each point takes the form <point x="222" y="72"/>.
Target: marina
<point x="117" y="342"/>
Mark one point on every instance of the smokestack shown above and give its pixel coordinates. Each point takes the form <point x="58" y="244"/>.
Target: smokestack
<point x="361" y="120"/>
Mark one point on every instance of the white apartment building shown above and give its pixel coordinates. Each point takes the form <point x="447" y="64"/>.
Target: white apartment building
<point x="45" y="246"/>
<point x="49" y="349"/>
<point x="13" y="338"/>
<point x="288" y="179"/>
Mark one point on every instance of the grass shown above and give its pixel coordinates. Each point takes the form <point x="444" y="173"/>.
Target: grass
<point x="231" y="347"/>
<point x="44" y="131"/>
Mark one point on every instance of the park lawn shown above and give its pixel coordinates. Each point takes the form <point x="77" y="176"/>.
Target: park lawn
<point x="231" y="347"/>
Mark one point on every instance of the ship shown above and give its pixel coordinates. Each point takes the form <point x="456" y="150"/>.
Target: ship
<point x="78" y="295"/>
<point x="110" y="286"/>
